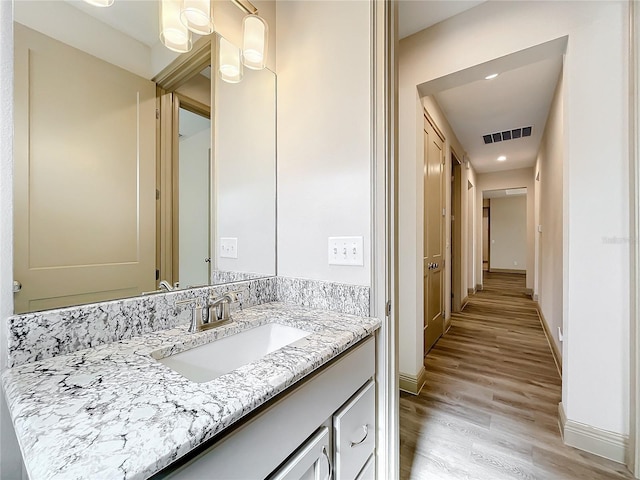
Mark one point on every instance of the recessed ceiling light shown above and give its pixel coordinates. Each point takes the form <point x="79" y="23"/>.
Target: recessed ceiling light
<point x="492" y="76"/>
<point x="502" y="158"/>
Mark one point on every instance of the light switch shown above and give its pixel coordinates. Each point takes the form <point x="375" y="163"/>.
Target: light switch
<point x="228" y="247"/>
<point x="346" y="251"/>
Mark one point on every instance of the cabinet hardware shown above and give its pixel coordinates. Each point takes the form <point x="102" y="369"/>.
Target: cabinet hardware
<point x="365" y="429"/>
<point x="326" y="455"/>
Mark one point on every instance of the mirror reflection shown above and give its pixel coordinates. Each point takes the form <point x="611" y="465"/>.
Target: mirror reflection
<point x="124" y="184"/>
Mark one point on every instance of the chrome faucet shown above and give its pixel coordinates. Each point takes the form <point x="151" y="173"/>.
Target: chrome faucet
<point x="164" y="285"/>
<point x="218" y="311"/>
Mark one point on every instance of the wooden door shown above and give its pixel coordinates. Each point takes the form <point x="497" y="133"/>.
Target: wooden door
<point x="84" y="180"/>
<point x="433" y="236"/>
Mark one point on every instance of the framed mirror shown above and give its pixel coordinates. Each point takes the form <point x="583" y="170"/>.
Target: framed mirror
<point x="128" y="171"/>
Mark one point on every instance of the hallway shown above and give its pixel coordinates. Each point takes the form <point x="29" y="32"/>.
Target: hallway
<point x="489" y="409"/>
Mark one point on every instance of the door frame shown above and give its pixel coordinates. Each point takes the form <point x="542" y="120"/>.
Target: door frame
<point x="443" y="228"/>
<point x="633" y="450"/>
<point x="455" y="201"/>
<point x="384" y="231"/>
<point x="168" y="103"/>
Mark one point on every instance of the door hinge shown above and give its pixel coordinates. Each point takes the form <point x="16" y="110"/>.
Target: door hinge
<point x="157" y="113"/>
<point x="157" y="194"/>
<point x="388" y="308"/>
<point x="157" y="274"/>
<point x="444" y="212"/>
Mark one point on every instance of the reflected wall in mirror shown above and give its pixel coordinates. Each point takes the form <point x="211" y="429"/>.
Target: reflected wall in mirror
<point x="88" y="216"/>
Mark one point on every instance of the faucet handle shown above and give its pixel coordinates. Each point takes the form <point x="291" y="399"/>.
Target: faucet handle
<point x="196" y="313"/>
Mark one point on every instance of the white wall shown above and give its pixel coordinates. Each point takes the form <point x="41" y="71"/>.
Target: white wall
<point x="245" y="171"/>
<point x="522" y="177"/>
<point x="596" y="206"/>
<point x="194" y="208"/>
<point x="549" y="167"/>
<point x="324" y="144"/>
<point x="508" y="217"/>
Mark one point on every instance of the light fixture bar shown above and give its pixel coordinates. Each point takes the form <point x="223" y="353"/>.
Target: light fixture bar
<point x="245" y="6"/>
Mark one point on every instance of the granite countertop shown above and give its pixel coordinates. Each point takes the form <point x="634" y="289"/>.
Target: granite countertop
<point x="113" y="411"/>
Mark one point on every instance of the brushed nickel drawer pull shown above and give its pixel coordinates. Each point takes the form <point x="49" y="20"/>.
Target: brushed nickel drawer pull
<point x="365" y="429"/>
<point x="324" y="452"/>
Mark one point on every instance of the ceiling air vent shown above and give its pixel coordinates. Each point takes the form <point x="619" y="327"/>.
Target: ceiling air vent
<point x="507" y="135"/>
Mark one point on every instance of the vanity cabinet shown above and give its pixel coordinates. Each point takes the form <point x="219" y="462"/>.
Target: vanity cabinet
<point x="313" y="422"/>
<point x="353" y="440"/>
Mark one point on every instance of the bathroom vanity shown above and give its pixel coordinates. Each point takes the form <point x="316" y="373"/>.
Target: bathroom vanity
<point x="116" y="411"/>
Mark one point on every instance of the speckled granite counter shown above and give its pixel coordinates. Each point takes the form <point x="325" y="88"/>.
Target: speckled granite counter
<point x="114" y="412"/>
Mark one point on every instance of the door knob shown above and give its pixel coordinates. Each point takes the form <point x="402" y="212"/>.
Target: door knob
<point x="17" y="286"/>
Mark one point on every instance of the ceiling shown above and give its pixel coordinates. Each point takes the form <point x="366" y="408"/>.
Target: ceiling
<point x="516" y="98"/>
<point x="519" y="97"/>
<point x="416" y="15"/>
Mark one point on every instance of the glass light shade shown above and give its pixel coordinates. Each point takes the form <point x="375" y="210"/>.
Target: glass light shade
<point x="229" y="66"/>
<point x="100" y="3"/>
<point x="173" y="34"/>
<point x="197" y="16"/>
<point x="255" y="33"/>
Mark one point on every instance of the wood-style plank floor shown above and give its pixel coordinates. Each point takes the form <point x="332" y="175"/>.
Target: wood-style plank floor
<point x="489" y="410"/>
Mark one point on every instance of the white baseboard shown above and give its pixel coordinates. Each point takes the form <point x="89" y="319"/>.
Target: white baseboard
<point x="603" y="443"/>
<point x="413" y="383"/>
<point x="557" y="356"/>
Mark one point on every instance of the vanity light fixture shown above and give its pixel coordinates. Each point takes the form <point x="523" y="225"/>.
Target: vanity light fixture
<point x="230" y="63"/>
<point x="173" y="34"/>
<point x="502" y="158"/>
<point x="492" y="76"/>
<point x="100" y="3"/>
<point x="178" y="18"/>
<point x="197" y="16"/>
<point x="255" y="34"/>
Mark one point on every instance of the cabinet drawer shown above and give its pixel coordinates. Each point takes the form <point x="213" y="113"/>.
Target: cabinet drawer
<point x="368" y="472"/>
<point x="355" y="433"/>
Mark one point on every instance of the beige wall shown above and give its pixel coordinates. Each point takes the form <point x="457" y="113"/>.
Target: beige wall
<point x="508" y="233"/>
<point x="324" y="136"/>
<point x="596" y="206"/>
<point x="549" y="170"/>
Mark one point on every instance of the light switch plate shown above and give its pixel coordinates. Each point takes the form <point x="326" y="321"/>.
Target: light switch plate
<point x="228" y="247"/>
<point x="346" y="251"/>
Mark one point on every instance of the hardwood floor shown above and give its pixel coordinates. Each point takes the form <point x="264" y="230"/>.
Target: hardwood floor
<point x="489" y="410"/>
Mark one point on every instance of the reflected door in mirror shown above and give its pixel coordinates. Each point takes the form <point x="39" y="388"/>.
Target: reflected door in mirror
<point x="84" y="180"/>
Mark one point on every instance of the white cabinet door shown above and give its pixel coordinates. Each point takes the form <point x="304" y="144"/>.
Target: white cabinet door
<point x="355" y="432"/>
<point x="310" y="462"/>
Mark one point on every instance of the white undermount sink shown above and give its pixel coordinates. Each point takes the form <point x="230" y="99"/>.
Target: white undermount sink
<point x="206" y="362"/>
